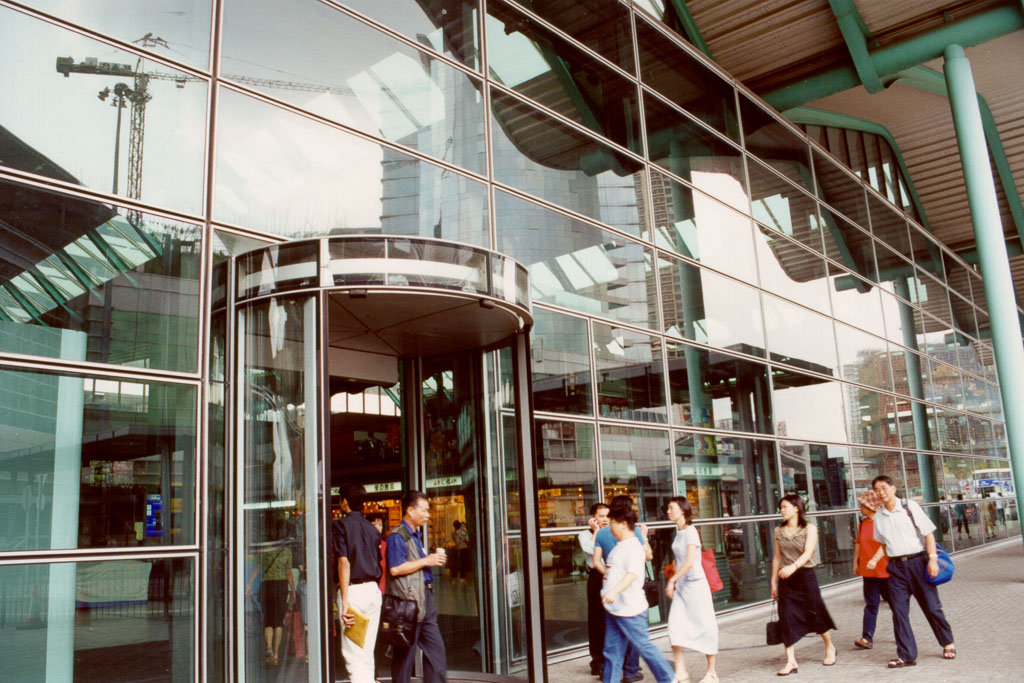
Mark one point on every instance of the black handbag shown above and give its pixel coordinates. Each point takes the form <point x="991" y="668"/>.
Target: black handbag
<point x="397" y="621"/>
<point x="651" y="591"/>
<point x="773" y="629"/>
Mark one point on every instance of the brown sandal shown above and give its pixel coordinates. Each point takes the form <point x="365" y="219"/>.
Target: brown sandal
<point x="863" y="643"/>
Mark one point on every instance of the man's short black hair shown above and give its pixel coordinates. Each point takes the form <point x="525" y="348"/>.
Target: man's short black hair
<point x="411" y="498"/>
<point x="596" y="507"/>
<point x="621" y="513"/>
<point x="355" y="494"/>
<point x="882" y="477"/>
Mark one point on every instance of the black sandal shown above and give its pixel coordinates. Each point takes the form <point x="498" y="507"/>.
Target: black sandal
<point x="949" y="652"/>
<point x="899" y="663"/>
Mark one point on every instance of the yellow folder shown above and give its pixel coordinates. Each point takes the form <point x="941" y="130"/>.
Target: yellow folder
<point x="357" y="631"/>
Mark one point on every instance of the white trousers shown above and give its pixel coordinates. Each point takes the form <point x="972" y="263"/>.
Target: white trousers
<point x="367" y="599"/>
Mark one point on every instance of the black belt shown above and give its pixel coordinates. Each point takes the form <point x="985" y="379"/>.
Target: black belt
<point x="359" y="583"/>
<point x="905" y="558"/>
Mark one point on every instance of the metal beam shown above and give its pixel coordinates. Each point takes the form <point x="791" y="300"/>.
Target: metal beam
<point x="690" y="26"/>
<point x="857" y="37"/>
<point x="995" y="265"/>
<point x="888" y="61"/>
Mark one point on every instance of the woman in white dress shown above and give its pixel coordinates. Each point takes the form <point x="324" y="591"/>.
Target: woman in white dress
<point x="691" y="620"/>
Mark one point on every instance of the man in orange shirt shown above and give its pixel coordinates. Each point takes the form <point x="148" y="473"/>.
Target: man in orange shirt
<point x="869" y="561"/>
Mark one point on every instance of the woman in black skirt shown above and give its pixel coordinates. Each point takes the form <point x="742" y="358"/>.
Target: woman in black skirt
<point x="801" y="609"/>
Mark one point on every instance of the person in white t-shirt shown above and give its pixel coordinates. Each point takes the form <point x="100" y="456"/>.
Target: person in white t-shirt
<point x="626" y="605"/>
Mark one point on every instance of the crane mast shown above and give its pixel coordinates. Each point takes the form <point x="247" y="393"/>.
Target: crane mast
<point x="138" y="96"/>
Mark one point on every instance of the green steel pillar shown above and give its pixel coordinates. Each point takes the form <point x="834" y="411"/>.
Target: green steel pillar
<point x="922" y="437"/>
<point x="995" y="264"/>
<point x="692" y="296"/>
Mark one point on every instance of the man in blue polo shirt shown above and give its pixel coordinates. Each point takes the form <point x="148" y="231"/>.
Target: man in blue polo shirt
<point x="410" y="575"/>
<point x="604" y="541"/>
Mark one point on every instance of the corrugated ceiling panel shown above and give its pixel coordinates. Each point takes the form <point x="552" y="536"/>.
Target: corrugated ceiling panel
<point x="753" y="37"/>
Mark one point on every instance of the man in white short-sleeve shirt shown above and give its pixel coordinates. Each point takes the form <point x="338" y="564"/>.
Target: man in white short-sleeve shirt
<point x="910" y="563"/>
<point x="625" y="603"/>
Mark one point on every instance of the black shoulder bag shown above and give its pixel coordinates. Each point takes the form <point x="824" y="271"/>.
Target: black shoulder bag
<point x="397" y="614"/>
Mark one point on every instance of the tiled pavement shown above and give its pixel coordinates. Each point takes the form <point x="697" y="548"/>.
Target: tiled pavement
<point x="984" y="604"/>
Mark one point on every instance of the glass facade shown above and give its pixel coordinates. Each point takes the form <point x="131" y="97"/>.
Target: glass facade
<point x="722" y="310"/>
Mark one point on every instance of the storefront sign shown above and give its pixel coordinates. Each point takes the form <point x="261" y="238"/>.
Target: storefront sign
<point x="443" y="482"/>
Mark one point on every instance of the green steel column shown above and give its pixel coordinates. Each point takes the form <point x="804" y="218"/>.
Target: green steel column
<point x="995" y="264"/>
<point x="692" y="295"/>
<point x="922" y="437"/>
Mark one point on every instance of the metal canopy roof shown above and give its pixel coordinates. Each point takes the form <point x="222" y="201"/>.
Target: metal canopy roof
<point x="772" y="44"/>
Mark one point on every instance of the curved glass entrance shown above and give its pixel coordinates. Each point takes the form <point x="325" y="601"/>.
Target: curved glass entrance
<point x="398" y="364"/>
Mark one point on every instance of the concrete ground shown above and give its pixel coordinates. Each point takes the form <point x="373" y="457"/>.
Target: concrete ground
<point x="984" y="604"/>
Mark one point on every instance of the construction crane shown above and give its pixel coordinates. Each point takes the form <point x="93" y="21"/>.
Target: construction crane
<point x="138" y="96"/>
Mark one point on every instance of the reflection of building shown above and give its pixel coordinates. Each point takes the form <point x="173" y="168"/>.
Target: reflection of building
<point x="724" y="306"/>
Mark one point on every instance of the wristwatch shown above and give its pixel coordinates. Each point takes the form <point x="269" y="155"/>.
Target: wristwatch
<point x="933" y="556"/>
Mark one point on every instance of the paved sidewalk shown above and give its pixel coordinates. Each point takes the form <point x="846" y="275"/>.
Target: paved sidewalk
<point x="984" y="604"/>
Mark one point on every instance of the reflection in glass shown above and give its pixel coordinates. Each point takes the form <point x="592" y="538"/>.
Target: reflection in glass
<point x="119" y="620"/>
<point x="748" y="552"/>
<point x="705" y="307"/>
<point x="98" y="462"/>
<point x="856" y="301"/>
<point x="217" y="474"/>
<point x="329" y="181"/>
<point x="808" y="407"/>
<point x="560" y="363"/>
<point x="355" y="75"/>
<point x="526" y="57"/>
<point x="687" y="149"/>
<point x="278" y="501"/>
<point x="629" y="375"/>
<point x="637" y="463"/>
<point x="968" y="523"/>
<point x="64" y="132"/>
<point x="840" y="189"/>
<point x="686" y="81"/>
<point x="715" y="390"/>
<point x="848" y="245"/>
<point x="774" y="143"/>
<point x="791" y="270"/>
<point x="566" y="473"/>
<point x="538" y="155"/>
<point x="873" y="417"/>
<point x="601" y="25"/>
<point x="863" y="358"/>
<point x="697" y="227"/>
<point x="868" y="463"/>
<point x="576" y="265"/>
<point x="951" y="427"/>
<point x="182" y="34"/>
<point x="819" y="473"/>
<point x="782" y="207"/>
<point x="726" y="476"/>
<point x="925" y="253"/>
<point x="77" y="282"/>
<point x="888" y="225"/>
<point x="924" y="477"/>
<point x="836" y="534"/>
<point x="448" y="27"/>
<point x="564" y="578"/>
<point x="800" y="337"/>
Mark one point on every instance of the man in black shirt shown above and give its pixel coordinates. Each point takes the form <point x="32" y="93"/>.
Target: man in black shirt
<point x="357" y="547"/>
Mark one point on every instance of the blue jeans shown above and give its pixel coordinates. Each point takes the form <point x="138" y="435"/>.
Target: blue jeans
<point x="875" y="590"/>
<point x="621" y="632"/>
